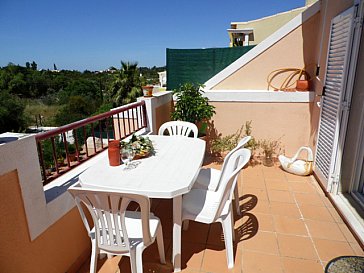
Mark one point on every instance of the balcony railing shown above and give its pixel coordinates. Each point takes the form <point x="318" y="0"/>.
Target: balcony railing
<point x="63" y="148"/>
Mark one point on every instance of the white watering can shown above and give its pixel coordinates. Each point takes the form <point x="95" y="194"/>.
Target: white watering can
<point x="298" y="166"/>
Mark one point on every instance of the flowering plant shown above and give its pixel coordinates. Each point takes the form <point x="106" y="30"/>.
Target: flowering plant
<point x="141" y="145"/>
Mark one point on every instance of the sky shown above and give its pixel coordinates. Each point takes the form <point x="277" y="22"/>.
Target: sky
<point x="95" y="34"/>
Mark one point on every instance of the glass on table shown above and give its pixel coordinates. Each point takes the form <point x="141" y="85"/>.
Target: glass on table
<point x="127" y="155"/>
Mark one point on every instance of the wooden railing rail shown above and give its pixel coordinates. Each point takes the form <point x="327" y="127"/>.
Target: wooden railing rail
<point x="86" y="138"/>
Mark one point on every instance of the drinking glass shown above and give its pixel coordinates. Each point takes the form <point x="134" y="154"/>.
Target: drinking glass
<point x="127" y="155"/>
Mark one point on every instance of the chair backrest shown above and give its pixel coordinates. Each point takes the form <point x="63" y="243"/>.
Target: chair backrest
<point x="179" y="128"/>
<point x="107" y="209"/>
<point x="240" y="145"/>
<point x="236" y="162"/>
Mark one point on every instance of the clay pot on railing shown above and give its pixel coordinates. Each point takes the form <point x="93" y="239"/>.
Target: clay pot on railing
<point x="148" y="91"/>
<point x="114" y="152"/>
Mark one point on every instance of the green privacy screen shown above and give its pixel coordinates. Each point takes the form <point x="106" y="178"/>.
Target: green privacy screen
<point x="199" y="65"/>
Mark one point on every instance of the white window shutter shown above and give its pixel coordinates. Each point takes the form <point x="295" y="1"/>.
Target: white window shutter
<point x="339" y="51"/>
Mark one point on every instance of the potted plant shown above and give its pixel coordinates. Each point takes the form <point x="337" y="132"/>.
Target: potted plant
<point x="252" y="144"/>
<point x="192" y="106"/>
<point x="269" y="148"/>
<point x="223" y="144"/>
<point x="148" y="90"/>
<point x="71" y="151"/>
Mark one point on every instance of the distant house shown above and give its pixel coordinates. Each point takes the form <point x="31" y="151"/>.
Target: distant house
<point x="255" y="31"/>
<point x="162" y="78"/>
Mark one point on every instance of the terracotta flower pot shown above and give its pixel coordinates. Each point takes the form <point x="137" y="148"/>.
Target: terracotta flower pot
<point x="148" y="91"/>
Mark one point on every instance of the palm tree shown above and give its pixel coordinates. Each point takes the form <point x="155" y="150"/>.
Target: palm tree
<point x="126" y="85"/>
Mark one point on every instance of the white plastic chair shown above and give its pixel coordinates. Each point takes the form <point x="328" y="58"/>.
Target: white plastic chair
<point x="205" y="206"/>
<point x="210" y="178"/>
<point x="178" y="128"/>
<point x="117" y="231"/>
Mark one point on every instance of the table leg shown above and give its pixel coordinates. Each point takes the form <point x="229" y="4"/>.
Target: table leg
<point x="177" y="224"/>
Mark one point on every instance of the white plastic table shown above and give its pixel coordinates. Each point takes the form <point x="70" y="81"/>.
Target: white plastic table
<point x="169" y="173"/>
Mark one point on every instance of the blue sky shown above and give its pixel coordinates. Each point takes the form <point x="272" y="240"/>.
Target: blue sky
<point x="95" y="34"/>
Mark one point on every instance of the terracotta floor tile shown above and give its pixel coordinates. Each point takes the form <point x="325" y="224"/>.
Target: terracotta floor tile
<point x="280" y="196"/>
<point x="192" y="255"/>
<point x="254" y="262"/>
<point x="265" y="222"/>
<point x="216" y="235"/>
<point x="264" y="242"/>
<point x="156" y="267"/>
<point x="312" y="181"/>
<point x="188" y="270"/>
<point x="271" y="235"/>
<point x="212" y="255"/>
<point x="261" y="194"/>
<point x="285" y="209"/>
<point x="151" y="254"/>
<point x="252" y="204"/>
<point x="294" y="265"/>
<point x="106" y="265"/>
<point x="325" y="230"/>
<point x="273" y="174"/>
<point x="246" y="227"/>
<point x="287" y="225"/>
<point x="302" y="187"/>
<point x="357" y="249"/>
<point x="308" y="199"/>
<point x="326" y="201"/>
<point x="296" y="178"/>
<point x="328" y="249"/>
<point x="335" y="215"/>
<point x="253" y="182"/>
<point x="316" y="213"/>
<point x="252" y="173"/>
<point x="196" y="233"/>
<point x="296" y="247"/>
<point x="347" y="233"/>
<point x="277" y="185"/>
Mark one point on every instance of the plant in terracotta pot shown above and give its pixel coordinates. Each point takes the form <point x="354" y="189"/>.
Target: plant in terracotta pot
<point x="192" y="106"/>
<point x="270" y="148"/>
<point x="223" y="144"/>
<point x="71" y="151"/>
<point x="252" y="144"/>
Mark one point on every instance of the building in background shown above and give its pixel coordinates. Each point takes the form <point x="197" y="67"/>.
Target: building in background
<point x="255" y="31"/>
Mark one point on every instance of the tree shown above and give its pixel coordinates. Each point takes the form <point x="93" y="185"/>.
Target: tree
<point x="12" y="118"/>
<point x="34" y="65"/>
<point x="83" y="88"/>
<point x="126" y="85"/>
<point x="77" y="108"/>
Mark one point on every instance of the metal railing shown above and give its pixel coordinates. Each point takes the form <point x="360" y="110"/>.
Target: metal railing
<point x="63" y="148"/>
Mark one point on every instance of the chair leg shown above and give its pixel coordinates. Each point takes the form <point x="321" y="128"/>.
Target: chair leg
<point x="139" y="258"/>
<point x="133" y="260"/>
<point x="94" y="257"/>
<point x="236" y="200"/>
<point x="227" y="228"/>
<point x="232" y="223"/>
<point x="160" y="244"/>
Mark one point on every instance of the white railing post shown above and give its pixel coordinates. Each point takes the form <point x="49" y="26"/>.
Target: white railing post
<point x="152" y="104"/>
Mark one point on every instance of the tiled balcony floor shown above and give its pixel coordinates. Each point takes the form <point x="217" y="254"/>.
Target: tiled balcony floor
<point x="287" y="225"/>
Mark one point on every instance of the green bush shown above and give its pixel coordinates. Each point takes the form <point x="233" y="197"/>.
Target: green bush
<point x="192" y="106"/>
<point x="12" y="117"/>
